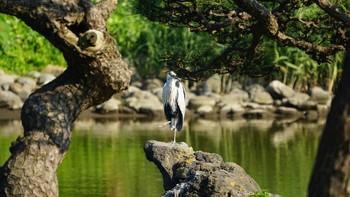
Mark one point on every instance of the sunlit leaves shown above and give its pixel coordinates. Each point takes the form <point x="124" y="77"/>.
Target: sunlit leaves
<point x="300" y="23"/>
<point x="22" y="49"/>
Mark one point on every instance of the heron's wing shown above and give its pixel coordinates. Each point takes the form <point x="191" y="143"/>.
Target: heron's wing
<point x="181" y="98"/>
<point x="165" y="97"/>
<point x="180" y="121"/>
<point x="181" y="104"/>
<point x="184" y="92"/>
<point x="168" y="111"/>
<point x="165" y="92"/>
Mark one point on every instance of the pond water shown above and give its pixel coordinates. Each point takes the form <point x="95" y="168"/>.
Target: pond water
<point x="106" y="157"/>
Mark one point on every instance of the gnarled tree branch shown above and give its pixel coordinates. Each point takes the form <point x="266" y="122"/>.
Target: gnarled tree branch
<point x="250" y="24"/>
<point x="333" y="11"/>
<point x="269" y="21"/>
<point x="95" y="72"/>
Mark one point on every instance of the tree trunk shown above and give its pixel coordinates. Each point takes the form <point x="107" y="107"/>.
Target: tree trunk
<point x="331" y="172"/>
<point x="95" y="72"/>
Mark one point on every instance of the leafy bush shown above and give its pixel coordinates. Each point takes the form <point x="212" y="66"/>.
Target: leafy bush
<point x="22" y="49"/>
<point x="301" y="72"/>
<point x="260" y="194"/>
<point x="145" y="44"/>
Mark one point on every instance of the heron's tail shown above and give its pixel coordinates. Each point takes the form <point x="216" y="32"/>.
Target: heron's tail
<point x="173" y="124"/>
<point x="177" y="123"/>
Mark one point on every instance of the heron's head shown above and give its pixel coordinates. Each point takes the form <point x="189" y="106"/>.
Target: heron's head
<point x="171" y="74"/>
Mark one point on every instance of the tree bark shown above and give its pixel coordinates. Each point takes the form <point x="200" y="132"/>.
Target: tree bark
<point x="331" y="172"/>
<point x="95" y="72"/>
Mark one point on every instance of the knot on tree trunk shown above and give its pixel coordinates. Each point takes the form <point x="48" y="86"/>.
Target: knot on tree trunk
<point x="196" y="173"/>
<point x="92" y="40"/>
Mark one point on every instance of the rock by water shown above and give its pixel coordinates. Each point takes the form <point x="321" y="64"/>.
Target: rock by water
<point x="195" y="173"/>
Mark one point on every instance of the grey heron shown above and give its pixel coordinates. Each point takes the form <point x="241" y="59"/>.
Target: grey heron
<point x="174" y="100"/>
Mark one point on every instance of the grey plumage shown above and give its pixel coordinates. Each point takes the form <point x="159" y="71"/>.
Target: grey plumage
<point x="174" y="100"/>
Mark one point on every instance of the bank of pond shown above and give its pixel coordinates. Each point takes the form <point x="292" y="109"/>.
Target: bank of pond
<point x="205" y="99"/>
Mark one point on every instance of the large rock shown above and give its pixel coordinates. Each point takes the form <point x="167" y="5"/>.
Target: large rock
<point x="308" y="105"/>
<point x="254" y="87"/>
<point x="130" y="91"/>
<point x="199" y="101"/>
<point x="53" y="69"/>
<point x="145" y="102"/>
<point x="27" y="82"/>
<point x="33" y="74"/>
<point x="158" y="92"/>
<point x="45" y="78"/>
<point x="321" y="96"/>
<point x="151" y="84"/>
<point x="262" y="97"/>
<point x="195" y="173"/>
<point x="279" y="90"/>
<point x="236" y="96"/>
<point x="299" y="100"/>
<point x="215" y="96"/>
<point x="6" y="81"/>
<point x="23" y="86"/>
<point x="243" y="95"/>
<point x="20" y="90"/>
<point x="110" y="106"/>
<point x="10" y="100"/>
<point x="259" y="95"/>
<point x="205" y="109"/>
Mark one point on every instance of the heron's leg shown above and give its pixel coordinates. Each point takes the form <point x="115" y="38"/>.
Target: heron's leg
<point x="172" y="124"/>
<point x="174" y="137"/>
<point x="162" y="125"/>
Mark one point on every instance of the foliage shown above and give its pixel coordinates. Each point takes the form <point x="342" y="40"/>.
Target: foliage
<point x="145" y="45"/>
<point x="245" y="30"/>
<point x="22" y="49"/>
<point x="260" y="194"/>
<point x="142" y="43"/>
<point x="186" y="46"/>
<point x="301" y="72"/>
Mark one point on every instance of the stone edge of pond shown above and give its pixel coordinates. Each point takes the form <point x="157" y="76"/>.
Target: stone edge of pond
<point x="143" y="99"/>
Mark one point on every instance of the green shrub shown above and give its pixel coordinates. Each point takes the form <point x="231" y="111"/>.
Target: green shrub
<point x="260" y="194"/>
<point x="22" y="49"/>
<point x="144" y="44"/>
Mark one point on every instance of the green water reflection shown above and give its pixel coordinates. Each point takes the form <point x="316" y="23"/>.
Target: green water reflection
<point x="107" y="159"/>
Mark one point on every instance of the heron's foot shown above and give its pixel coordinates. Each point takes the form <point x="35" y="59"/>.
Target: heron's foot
<point x="173" y="143"/>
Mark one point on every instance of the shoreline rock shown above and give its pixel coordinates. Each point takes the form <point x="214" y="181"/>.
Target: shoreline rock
<point x="195" y="173"/>
<point x="277" y="100"/>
